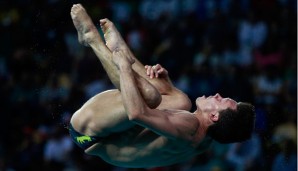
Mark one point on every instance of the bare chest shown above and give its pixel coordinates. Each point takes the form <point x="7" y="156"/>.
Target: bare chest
<point x="140" y="147"/>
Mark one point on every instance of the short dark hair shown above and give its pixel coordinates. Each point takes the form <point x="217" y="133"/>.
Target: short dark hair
<point x="233" y="125"/>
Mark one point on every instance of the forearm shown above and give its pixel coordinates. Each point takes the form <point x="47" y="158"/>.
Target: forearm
<point x="131" y="96"/>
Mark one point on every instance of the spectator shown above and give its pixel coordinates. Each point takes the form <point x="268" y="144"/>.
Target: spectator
<point x="57" y="150"/>
<point x="245" y="156"/>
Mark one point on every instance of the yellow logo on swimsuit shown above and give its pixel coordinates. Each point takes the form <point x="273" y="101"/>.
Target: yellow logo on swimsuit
<point x="82" y="139"/>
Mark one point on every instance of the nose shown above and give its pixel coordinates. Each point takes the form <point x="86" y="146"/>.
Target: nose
<point x="217" y="96"/>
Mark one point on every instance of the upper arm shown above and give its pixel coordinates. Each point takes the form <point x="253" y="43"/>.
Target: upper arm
<point x="174" y="126"/>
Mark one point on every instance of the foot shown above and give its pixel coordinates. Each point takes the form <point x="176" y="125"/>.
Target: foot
<point x="112" y="36"/>
<point x="87" y="32"/>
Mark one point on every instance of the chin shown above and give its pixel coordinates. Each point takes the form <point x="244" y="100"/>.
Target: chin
<point x="198" y="104"/>
<point x="200" y="99"/>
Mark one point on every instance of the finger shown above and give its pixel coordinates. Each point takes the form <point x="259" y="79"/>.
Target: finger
<point x="148" y="70"/>
<point x="102" y="22"/>
<point x="152" y="72"/>
<point x="160" y="70"/>
<point x="158" y="66"/>
<point x="156" y="74"/>
<point x="155" y="70"/>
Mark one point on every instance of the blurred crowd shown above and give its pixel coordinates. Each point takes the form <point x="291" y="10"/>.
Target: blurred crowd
<point x="243" y="49"/>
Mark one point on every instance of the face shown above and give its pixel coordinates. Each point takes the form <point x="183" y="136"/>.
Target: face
<point x="214" y="104"/>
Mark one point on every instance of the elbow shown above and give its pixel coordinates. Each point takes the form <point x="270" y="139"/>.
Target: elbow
<point x="135" y="115"/>
<point x="132" y="117"/>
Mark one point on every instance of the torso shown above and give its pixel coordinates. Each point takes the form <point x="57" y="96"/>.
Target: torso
<point x="133" y="146"/>
<point x="140" y="147"/>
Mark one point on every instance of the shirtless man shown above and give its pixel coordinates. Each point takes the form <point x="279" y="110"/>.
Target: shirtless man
<point x="146" y="121"/>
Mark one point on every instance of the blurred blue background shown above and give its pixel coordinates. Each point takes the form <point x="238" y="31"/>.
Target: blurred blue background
<point x="243" y="49"/>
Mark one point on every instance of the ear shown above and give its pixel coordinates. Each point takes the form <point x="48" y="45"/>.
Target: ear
<point x="214" y="116"/>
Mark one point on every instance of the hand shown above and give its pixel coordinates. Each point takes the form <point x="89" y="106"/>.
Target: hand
<point x="156" y="71"/>
<point x="122" y="58"/>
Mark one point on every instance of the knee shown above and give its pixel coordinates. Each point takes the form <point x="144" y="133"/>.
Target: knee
<point x="153" y="98"/>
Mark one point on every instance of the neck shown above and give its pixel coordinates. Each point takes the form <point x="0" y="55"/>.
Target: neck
<point x="204" y="121"/>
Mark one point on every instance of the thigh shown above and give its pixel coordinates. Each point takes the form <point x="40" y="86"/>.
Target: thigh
<point x="175" y="99"/>
<point x="102" y="115"/>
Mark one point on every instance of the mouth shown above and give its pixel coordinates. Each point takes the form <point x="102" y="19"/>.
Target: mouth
<point x="204" y="97"/>
<point x="201" y="97"/>
<point x="209" y="97"/>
